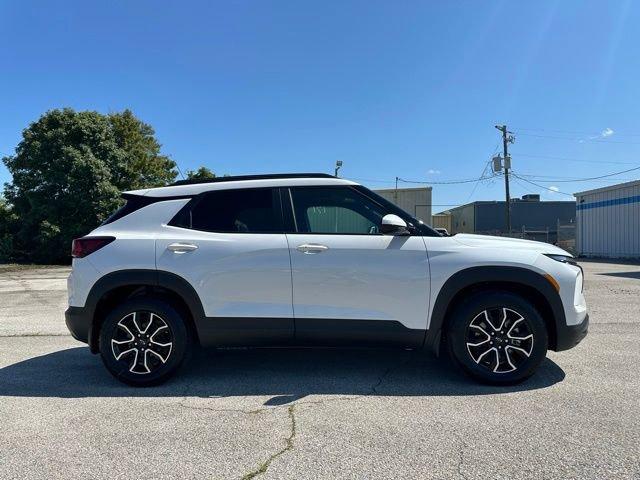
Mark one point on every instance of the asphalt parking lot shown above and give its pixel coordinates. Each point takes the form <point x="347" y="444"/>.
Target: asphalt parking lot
<point x="316" y="413"/>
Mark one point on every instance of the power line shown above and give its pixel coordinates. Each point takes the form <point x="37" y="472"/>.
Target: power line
<point x="584" y="140"/>
<point x="526" y="188"/>
<point x="486" y="165"/>
<point x="592" y="178"/>
<point x="570" y="159"/>
<point x="542" y="186"/>
<point x="478" y="182"/>
<point x="450" y="182"/>
<point x="573" y="132"/>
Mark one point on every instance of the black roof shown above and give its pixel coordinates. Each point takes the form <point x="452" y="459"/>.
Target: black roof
<point x="270" y="176"/>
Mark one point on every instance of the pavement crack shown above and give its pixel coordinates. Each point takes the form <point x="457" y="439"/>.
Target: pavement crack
<point x="222" y="410"/>
<point x="463" y="447"/>
<point x="264" y="466"/>
<point x="387" y="372"/>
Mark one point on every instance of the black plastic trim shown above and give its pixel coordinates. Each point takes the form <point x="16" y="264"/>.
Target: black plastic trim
<point x="78" y="322"/>
<point x="571" y="335"/>
<point x="242" y="331"/>
<point x="341" y="332"/>
<point x="269" y="176"/>
<point x="478" y="276"/>
<point x="85" y="317"/>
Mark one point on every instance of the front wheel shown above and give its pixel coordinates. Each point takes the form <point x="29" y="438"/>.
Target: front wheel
<point x="143" y="341"/>
<point x="497" y="337"/>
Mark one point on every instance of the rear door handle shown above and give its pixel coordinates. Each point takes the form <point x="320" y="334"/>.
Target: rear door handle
<point x="310" y="248"/>
<point x="182" y="247"/>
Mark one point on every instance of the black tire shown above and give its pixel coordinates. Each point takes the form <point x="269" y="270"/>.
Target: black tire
<point x="151" y="357"/>
<point x="497" y="356"/>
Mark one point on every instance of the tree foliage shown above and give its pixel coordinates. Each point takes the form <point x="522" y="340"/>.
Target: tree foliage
<point x="202" y="173"/>
<point x="68" y="172"/>
<point x="8" y="222"/>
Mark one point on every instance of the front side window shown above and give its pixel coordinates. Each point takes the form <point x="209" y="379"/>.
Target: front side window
<point x="253" y="210"/>
<point x="339" y="210"/>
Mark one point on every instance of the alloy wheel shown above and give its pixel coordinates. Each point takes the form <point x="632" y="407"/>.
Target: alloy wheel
<point x="499" y="339"/>
<point x="142" y="340"/>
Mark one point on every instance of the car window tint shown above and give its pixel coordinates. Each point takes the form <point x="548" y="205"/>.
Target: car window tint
<point x="335" y="210"/>
<point x="241" y="211"/>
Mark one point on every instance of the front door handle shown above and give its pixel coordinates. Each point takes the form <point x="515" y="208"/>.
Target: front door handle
<point x="310" y="248"/>
<point x="182" y="247"/>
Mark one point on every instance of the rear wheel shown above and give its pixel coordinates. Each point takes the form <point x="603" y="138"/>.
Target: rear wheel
<point x="143" y="341"/>
<point x="497" y="337"/>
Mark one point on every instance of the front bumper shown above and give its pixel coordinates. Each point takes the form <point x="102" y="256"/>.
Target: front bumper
<point x="568" y="336"/>
<point x="78" y="322"/>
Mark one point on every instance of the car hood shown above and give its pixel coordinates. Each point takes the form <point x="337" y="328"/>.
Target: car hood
<point x="488" y="241"/>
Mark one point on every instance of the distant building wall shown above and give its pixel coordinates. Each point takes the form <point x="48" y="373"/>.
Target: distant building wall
<point x="463" y="219"/>
<point x="608" y="221"/>
<point x="528" y="215"/>
<point x="415" y="201"/>
<point x="441" y="221"/>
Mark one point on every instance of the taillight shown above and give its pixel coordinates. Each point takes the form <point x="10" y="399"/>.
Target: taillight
<point x="81" y="247"/>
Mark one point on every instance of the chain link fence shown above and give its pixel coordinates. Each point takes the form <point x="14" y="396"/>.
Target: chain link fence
<point x="564" y="235"/>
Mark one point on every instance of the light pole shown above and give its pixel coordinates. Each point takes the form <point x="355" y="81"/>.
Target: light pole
<point x="338" y="166"/>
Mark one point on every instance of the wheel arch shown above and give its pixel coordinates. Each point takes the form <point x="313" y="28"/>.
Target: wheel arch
<point x="120" y="285"/>
<point x="518" y="280"/>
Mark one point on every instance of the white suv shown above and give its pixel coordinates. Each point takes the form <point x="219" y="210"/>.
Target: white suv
<point x="310" y="259"/>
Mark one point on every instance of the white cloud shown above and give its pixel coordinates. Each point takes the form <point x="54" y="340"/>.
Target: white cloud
<point x="431" y="171"/>
<point x="553" y="188"/>
<point x="607" y="132"/>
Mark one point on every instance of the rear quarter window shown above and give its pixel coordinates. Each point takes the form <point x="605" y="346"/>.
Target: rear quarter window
<point x="132" y="204"/>
<point x="252" y="210"/>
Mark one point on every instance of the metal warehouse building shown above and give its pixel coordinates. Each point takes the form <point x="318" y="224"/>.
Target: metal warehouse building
<point x="415" y="201"/>
<point x="608" y="221"/>
<point x="539" y="219"/>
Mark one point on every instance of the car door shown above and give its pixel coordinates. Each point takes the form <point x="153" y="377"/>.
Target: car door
<point x="230" y="246"/>
<point x="352" y="284"/>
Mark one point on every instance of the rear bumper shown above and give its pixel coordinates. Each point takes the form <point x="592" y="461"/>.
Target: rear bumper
<point x="571" y="335"/>
<point x="78" y="322"/>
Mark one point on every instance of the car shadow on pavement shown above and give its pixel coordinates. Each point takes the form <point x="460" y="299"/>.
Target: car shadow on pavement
<point x="634" y="275"/>
<point x="284" y="375"/>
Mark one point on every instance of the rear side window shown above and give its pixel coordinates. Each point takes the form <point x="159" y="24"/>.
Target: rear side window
<point x="254" y="210"/>
<point x="134" y="202"/>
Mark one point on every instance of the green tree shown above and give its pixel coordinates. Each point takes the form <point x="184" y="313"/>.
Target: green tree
<point x="203" y="173"/>
<point x="68" y="172"/>
<point x="8" y="223"/>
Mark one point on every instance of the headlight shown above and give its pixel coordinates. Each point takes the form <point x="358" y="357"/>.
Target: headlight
<point x="563" y="258"/>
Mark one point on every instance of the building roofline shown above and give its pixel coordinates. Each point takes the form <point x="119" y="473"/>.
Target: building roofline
<point x="617" y="186"/>
<point x="409" y="189"/>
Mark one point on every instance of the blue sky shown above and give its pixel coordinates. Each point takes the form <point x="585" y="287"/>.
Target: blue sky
<point x="410" y="89"/>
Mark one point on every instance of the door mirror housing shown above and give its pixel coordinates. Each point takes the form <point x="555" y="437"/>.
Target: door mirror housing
<point x="393" y="225"/>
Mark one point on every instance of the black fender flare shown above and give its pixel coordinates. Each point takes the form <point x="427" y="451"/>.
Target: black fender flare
<point x="142" y="277"/>
<point x="477" y="276"/>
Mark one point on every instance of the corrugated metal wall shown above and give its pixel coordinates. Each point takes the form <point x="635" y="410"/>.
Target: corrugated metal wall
<point x="441" y="221"/>
<point x="414" y="201"/>
<point x="609" y="221"/>
<point x="463" y="219"/>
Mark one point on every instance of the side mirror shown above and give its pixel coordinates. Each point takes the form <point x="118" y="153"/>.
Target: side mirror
<point x="393" y="225"/>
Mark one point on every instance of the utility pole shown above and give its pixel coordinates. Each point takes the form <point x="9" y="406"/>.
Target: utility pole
<point x="395" y="194"/>
<point x="507" y="138"/>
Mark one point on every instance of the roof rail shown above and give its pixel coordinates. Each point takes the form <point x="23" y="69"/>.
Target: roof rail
<point x="270" y="176"/>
